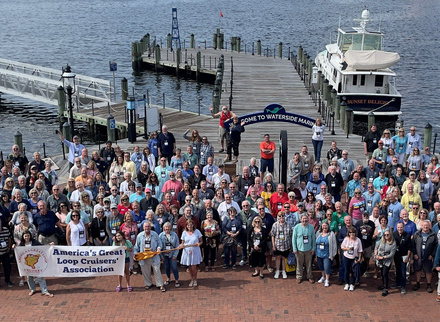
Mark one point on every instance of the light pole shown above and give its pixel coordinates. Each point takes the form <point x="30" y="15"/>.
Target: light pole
<point x="70" y="89"/>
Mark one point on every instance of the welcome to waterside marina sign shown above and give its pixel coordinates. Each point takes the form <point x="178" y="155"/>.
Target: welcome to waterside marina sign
<point x="274" y="112"/>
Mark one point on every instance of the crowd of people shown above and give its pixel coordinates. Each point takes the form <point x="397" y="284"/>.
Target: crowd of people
<point x="353" y="221"/>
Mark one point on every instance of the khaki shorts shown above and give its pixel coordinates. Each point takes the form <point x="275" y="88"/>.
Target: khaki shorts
<point x="222" y="134"/>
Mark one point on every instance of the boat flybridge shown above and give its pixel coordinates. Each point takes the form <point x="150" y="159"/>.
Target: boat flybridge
<point x="359" y="70"/>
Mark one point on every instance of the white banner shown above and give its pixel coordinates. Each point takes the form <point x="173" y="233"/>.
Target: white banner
<point x="70" y="261"/>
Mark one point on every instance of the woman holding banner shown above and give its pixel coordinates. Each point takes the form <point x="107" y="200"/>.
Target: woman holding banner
<point x="28" y="240"/>
<point x="76" y="232"/>
<point x="128" y="247"/>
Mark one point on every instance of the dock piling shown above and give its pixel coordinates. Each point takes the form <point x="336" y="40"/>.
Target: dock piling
<point x="428" y="136"/>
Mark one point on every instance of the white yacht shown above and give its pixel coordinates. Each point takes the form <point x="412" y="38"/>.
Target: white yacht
<point x="359" y="70"/>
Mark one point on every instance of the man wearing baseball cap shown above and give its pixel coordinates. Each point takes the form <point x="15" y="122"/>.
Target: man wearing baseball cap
<point x="75" y="148"/>
<point x="149" y="202"/>
<point x="380" y="155"/>
<point x="139" y="195"/>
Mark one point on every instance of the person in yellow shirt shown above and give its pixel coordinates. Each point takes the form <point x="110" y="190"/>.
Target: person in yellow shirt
<point x="410" y="198"/>
<point x="412" y="179"/>
<point x="129" y="166"/>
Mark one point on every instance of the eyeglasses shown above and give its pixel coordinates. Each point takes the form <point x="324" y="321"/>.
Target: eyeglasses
<point x="386" y="234"/>
<point x="162" y="160"/>
<point x="260" y="208"/>
<point x="287" y="207"/>
<point x="415" y="208"/>
<point x="357" y="193"/>
<point x="124" y="199"/>
<point x="352" y="232"/>
<point x="257" y="222"/>
<point x="63" y="206"/>
<point x="73" y="216"/>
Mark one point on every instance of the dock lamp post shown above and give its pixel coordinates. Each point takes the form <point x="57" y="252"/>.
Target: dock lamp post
<point x="131" y="110"/>
<point x="69" y="88"/>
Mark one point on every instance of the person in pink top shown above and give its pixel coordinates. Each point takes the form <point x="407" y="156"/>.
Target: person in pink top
<point x="352" y="250"/>
<point x="357" y="206"/>
<point x="172" y="186"/>
<point x="130" y="230"/>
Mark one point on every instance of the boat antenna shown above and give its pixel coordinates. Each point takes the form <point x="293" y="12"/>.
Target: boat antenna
<point x="365" y="17"/>
<point x="339" y="21"/>
<point x="380" y="21"/>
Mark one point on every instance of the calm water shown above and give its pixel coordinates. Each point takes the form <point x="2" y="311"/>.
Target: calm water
<point x="87" y="34"/>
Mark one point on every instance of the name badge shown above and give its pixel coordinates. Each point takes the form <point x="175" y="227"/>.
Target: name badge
<point x="306" y="164"/>
<point x="3" y="244"/>
<point x="422" y="188"/>
<point x="281" y="235"/>
<point x="102" y="233"/>
<point x="279" y="205"/>
<point x="364" y="237"/>
<point x="370" y="180"/>
<point x="374" y="141"/>
<point x="109" y="158"/>
<point x="315" y="190"/>
<point x="257" y="242"/>
<point x="167" y="245"/>
<point x="194" y="147"/>
<point x="390" y="213"/>
<point x="202" y="153"/>
<point x="344" y="169"/>
<point x="113" y="231"/>
<point x="305" y="239"/>
<point x="210" y="171"/>
<point x="154" y="146"/>
<point x="244" y="225"/>
<point x="162" y="174"/>
<point x="172" y="192"/>
<point x="147" y="244"/>
<point x="174" y="226"/>
<point x="322" y="246"/>
<point x="333" y="184"/>
<point x="132" y="235"/>
<point x="369" y="203"/>
<point x="165" y="143"/>
<point x="81" y="234"/>
<point x="76" y="153"/>
<point x="233" y="229"/>
<point x="351" y="252"/>
<point x="423" y="246"/>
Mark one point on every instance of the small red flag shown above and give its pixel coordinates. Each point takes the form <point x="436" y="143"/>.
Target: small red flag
<point x="221" y="14"/>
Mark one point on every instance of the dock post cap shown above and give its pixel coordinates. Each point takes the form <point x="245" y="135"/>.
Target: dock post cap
<point x="344" y="103"/>
<point x="17" y="133"/>
<point x="65" y="124"/>
<point x="428" y="126"/>
<point x="110" y="116"/>
<point x="369" y="114"/>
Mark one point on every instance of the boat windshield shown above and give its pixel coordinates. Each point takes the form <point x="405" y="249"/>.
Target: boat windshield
<point x="359" y="41"/>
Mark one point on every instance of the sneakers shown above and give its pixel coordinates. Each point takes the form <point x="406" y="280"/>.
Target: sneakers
<point x="346" y="287"/>
<point x="9" y="284"/>
<point x="429" y="288"/>
<point x="351" y="288"/>
<point x="234" y="266"/>
<point x="277" y="274"/>
<point x="326" y="283"/>
<point x="284" y="274"/>
<point x="242" y="262"/>
<point x="403" y="290"/>
<point x="21" y="283"/>
<point x="416" y="286"/>
<point x="225" y="266"/>
<point x="321" y="280"/>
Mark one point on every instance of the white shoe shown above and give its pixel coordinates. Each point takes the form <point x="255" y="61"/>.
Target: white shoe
<point x="277" y="274"/>
<point x="321" y="280"/>
<point x="346" y="287"/>
<point x="326" y="283"/>
<point x="242" y="262"/>
<point x="351" y="287"/>
<point x="284" y="274"/>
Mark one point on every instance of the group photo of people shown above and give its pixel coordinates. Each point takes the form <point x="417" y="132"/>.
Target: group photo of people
<point x="334" y="221"/>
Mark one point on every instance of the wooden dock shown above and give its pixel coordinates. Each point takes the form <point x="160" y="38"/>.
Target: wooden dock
<point x="257" y="82"/>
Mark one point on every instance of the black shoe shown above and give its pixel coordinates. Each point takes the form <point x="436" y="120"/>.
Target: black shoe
<point x="403" y="290"/>
<point x="416" y="286"/>
<point x="225" y="266"/>
<point x="10" y="284"/>
<point x="380" y="288"/>
<point x="340" y="282"/>
<point x="394" y="286"/>
<point x="429" y="288"/>
<point x="384" y="292"/>
<point x="234" y="267"/>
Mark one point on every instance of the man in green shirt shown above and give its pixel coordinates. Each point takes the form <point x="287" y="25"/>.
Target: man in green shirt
<point x="304" y="245"/>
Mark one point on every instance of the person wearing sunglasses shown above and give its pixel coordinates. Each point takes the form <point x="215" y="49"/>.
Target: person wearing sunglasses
<point x="413" y="141"/>
<point x="384" y="254"/>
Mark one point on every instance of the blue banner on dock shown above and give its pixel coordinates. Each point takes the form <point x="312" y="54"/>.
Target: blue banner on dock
<point x="274" y="112"/>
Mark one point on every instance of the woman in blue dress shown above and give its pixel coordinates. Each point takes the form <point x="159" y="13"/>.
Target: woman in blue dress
<point x="191" y="256"/>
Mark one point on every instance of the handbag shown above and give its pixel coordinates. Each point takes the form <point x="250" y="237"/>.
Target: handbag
<point x="291" y="259"/>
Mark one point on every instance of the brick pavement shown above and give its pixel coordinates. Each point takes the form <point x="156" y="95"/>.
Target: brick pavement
<point x="221" y="295"/>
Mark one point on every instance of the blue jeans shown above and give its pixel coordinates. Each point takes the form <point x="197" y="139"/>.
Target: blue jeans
<point x="317" y="146"/>
<point x="228" y="250"/>
<point x="41" y="281"/>
<point x="400" y="271"/>
<point x="325" y="264"/>
<point x="171" y="264"/>
<point x="348" y="268"/>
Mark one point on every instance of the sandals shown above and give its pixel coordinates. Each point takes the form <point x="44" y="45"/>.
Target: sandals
<point x="129" y="288"/>
<point x="48" y="294"/>
<point x="118" y="288"/>
<point x="31" y="293"/>
<point x="255" y="274"/>
<point x="163" y="289"/>
<point x="177" y="284"/>
<point x="166" y="282"/>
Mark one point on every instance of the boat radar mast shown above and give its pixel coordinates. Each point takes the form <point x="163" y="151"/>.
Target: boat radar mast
<point x="365" y="17"/>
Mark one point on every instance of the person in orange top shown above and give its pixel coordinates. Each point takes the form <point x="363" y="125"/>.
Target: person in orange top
<point x="267" y="148"/>
<point x="277" y="200"/>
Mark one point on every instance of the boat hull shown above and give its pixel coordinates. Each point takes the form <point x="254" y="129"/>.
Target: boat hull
<point x="377" y="103"/>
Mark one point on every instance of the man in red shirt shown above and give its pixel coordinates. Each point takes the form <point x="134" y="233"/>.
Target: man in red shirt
<point x="172" y="186"/>
<point x="267" y="148"/>
<point x="224" y="115"/>
<point x="277" y="200"/>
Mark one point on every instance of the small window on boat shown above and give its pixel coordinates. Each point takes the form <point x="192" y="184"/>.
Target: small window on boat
<point x="355" y="80"/>
<point x="362" y="80"/>
<point x="379" y="81"/>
